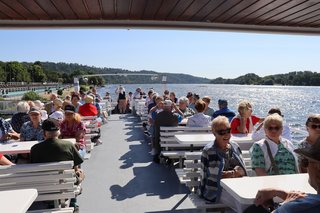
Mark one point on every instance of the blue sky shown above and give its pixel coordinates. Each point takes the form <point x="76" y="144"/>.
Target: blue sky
<point x="208" y="54"/>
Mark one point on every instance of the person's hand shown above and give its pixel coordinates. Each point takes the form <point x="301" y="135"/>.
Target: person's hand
<point x="239" y="172"/>
<point x="293" y="195"/>
<point x="263" y="196"/>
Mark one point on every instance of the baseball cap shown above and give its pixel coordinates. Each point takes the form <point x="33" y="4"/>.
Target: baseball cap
<point x="69" y="108"/>
<point x="50" y="125"/>
<point x="35" y="109"/>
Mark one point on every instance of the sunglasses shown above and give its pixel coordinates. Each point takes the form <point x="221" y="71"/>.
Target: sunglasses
<point x="313" y="126"/>
<point x="276" y="128"/>
<point x="312" y="119"/>
<point x="223" y="131"/>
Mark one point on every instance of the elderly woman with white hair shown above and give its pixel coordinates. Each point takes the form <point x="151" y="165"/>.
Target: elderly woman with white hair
<point x="21" y="116"/>
<point x="183" y="107"/>
<point x="273" y="155"/>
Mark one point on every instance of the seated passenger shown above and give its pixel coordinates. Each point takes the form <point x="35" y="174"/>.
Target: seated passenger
<point x="163" y="118"/>
<point x="88" y="109"/>
<point x="73" y="127"/>
<point x="313" y="128"/>
<point x="21" y="116"/>
<point x="32" y="130"/>
<point x="273" y="155"/>
<point x="207" y="110"/>
<point x="243" y="123"/>
<point x="6" y="131"/>
<point x="259" y="133"/>
<point x="220" y="159"/>
<point x="295" y="201"/>
<point x="183" y="107"/>
<point x="223" y="110"/>
<point x="54" y="150"/>
<point x="199" y="119"/>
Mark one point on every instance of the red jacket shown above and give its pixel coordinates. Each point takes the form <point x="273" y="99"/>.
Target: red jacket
<point x="88" y="110"/>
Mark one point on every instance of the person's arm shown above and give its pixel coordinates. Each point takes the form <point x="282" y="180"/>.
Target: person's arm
<point x="264" y="195"/>
<point x="176" y="108"/>
<point x="242" y="127"/>
<point x="258" y="161"/>
<point x="5" y="161"/>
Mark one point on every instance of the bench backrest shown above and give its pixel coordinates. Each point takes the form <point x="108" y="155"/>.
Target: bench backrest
<point x="54" y="181"/>
<point x="167" y="139"/>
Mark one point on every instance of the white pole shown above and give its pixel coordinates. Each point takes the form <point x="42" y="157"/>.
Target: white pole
<point x="76" y="85"/>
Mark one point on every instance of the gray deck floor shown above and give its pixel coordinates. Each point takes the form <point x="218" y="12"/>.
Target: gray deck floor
<point x="120" y="175"/>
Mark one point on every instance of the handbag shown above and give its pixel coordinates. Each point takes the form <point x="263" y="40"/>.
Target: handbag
<point x="274" y="166"/>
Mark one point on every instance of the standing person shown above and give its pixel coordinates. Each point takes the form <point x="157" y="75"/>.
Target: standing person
<point x="313" y="128"/>
<point x="223" y="110"/>
<point x="130" y="99"/>
<point x="122" y="99"/>
<point x="295" y="201"/>
<point x="243" y="123"/>
<point x="220" y="159"/>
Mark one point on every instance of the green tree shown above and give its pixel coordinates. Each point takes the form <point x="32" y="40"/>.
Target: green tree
<point x="37" y="74"/>
<point x="3" y="74"/>
<point x="17" y="72"/>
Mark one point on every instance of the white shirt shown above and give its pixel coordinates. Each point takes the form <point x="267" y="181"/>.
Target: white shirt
<point x="199" y="120"/>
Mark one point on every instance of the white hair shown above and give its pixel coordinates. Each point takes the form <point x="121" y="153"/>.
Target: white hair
<point x="184" y="99"/>
<point x="23" y="106"/>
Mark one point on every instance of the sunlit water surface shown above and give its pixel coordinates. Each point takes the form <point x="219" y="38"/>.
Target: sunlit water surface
<point x="295" y="102"/>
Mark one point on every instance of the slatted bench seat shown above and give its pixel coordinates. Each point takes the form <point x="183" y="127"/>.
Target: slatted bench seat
<point x="55" y="210"/>
<point x="54" y="181"/>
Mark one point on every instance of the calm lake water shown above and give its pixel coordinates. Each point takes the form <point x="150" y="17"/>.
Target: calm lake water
<point x="295" y="102"/>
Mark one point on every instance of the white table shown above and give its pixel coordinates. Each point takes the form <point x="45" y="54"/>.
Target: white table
<point x="17" y="201"/>
<point x="244" y="141"/>
<point x="22" y="147"/>
<point x="244" y="189"/>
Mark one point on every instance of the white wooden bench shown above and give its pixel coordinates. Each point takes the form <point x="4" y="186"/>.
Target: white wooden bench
<point x="54" y="181"/>
<point x="92" y="130"/>
<point x="192" y="178"/>
<point x="171" y="148"/>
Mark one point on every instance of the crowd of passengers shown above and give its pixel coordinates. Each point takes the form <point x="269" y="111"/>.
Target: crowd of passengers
<point x="273" y="153"/>
<point x="49" y="123"/>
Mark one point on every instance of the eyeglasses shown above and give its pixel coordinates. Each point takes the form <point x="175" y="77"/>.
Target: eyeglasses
<point x="223" y="131"/>
<point x="276" y="128"/>
<point x="313" y="126"/>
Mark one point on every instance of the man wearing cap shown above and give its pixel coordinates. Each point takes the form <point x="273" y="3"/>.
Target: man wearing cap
<point x="53" y="149"/>
<point x="88" y="109"/>
<point x="31" y="130"/>
<point x="164" y="118"/>
<point x="223" y="110"/>
<point x="297" y="202"/>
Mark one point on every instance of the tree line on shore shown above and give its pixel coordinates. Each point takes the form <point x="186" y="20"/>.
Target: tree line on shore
<point x="298" y="78"/>
<point x="65" y="73"/>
